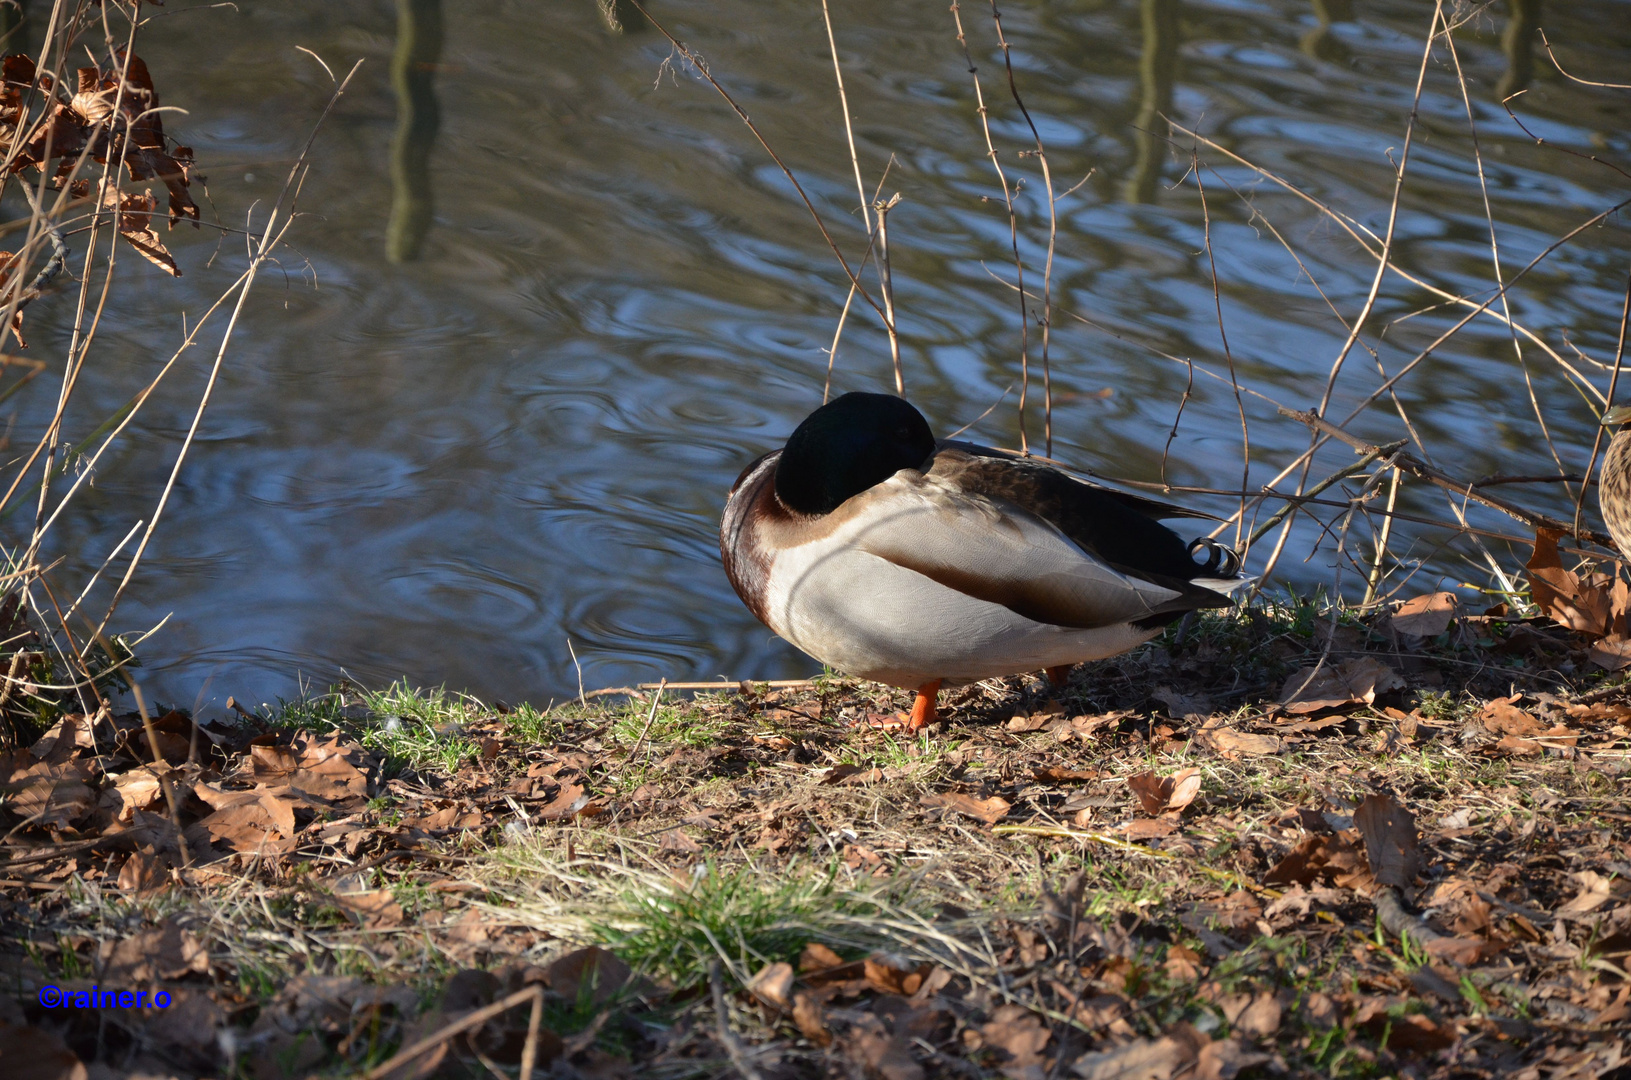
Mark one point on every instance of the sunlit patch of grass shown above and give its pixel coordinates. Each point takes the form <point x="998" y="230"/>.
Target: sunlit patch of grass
<point x="418" y="728"/>
<point x="681" y="722"/>
<point x="533" y="724"/>
<point x="737" y="914"/>
<point x="311" y="712"/>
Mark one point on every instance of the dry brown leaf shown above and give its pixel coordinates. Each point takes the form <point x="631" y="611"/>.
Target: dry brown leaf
<point x="1408" y="1034"/>
<point x="1019" y="1033"/>
<point x="135" y="790"/>
<point x="818" y="957"/>
<point x="882" y="1054"/>
<point x="64" y="739"/>
<point x="1182" y="963"/>
<point x="1257" y="1015"/>
<point x="566" y="804"/>
<point x="1230" y="742"/>
<point x="675" y="840"/>
<point x="1595" y="891"/>
<point x="591" y="974"/>
<point x="810" y="1018"/>
<point x="1055" y="774"/>
<point x="165" y="952"/>
<point x="133" y="218"/>
<point x="1148" y="828"/>
<point x="244" y="825"/>
<point x="889" y="974"/>
<point x="1561" y="595"/>
<point x="990" y="810"/>
<point x="1389" y="831"/>
<point x="144" y="874"/>
<point x="49" y="796"/>
<point x="1143" y="1059"/>
<point x="376" y="909"/>
<point x="33" y="1053"/>
<point x="1332" y="686"/>
<point x="1159" y="795"/>
<point x="1501" y="717"/>
<point x="1612" y="653"/>
<point x="1330" y="858"/>
<point x="1425" y="616"/>
<point x="1517" y="747"/>
<point x="773" y="985"/>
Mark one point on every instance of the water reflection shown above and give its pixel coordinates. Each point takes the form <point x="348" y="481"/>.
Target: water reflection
<point x="1518" y="42"/>
<point x="621" y="17"/>
<point x="13" y="14"/>
<point x="1318" y="42"/>
<point x="413" y="76"/>
<point x="1157" y="68"/>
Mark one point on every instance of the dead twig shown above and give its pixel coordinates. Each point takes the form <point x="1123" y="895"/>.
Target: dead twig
<point x="1423" y="471"/>
<point x="533" y="993"/>
<point x="733" y="1043"/>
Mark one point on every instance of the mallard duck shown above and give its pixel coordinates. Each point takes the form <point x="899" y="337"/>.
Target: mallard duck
<point x="891" y="557"/>
<point x="1614" y="481"/>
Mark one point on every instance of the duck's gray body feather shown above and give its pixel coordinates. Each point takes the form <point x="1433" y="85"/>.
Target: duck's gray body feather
<point x="941" y="574"/>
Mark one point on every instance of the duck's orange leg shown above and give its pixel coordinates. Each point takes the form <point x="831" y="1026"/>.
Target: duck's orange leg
<point x="1059" y="675"/>
<point x="924" y="712"/>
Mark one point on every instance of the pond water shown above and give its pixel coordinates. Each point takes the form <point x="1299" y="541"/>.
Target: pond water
<point x="547" y="300"/>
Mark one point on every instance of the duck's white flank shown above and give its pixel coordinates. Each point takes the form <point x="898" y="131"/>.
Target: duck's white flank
<point x="860" y="596"/>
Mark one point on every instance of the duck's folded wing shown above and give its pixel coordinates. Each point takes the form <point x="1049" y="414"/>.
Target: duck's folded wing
<point x="998" y="553"/>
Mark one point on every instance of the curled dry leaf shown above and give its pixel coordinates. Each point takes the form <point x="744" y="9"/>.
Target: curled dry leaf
<point x="165" y="952"/>
<point x="1332" y="686"/>
<point x="774" y="985"/>
<point x="1595" y="891"/>
<point x="1595" y="606"/>
<point x="1425" y="616"/>
<point x="889" y="974"/>
<point x="1163" y="794"/>
<point x="133" y="218"/>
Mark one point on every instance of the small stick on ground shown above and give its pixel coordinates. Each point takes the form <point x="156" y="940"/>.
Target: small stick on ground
<point x="469" y="1023"/>
<point x="733" y="1045"/>
<point x="651" y="718"/>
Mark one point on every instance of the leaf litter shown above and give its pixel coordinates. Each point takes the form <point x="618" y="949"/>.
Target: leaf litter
<point x="1426" y="877"/>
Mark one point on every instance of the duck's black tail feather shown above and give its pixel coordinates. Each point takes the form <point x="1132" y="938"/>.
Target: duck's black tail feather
<point x="1221" y="562"/>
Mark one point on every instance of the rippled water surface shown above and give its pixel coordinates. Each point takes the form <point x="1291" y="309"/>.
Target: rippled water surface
<point x="447" y="442"/>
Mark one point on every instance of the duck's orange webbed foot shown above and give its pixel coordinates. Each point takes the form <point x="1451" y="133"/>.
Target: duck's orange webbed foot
<point x="1060" y="675"/>
<point x="924" y="712"/>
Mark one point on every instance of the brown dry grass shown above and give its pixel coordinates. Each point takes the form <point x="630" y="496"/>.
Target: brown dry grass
<point x="991" y="898"/>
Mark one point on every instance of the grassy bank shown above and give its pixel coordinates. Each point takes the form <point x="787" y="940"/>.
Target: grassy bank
<point x="1415" y="868"/>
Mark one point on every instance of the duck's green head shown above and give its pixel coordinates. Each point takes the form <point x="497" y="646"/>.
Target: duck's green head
<point x="847" y="446"/>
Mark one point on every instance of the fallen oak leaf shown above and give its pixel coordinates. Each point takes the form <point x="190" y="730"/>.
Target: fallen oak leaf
<point x="1501" y="717"/>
